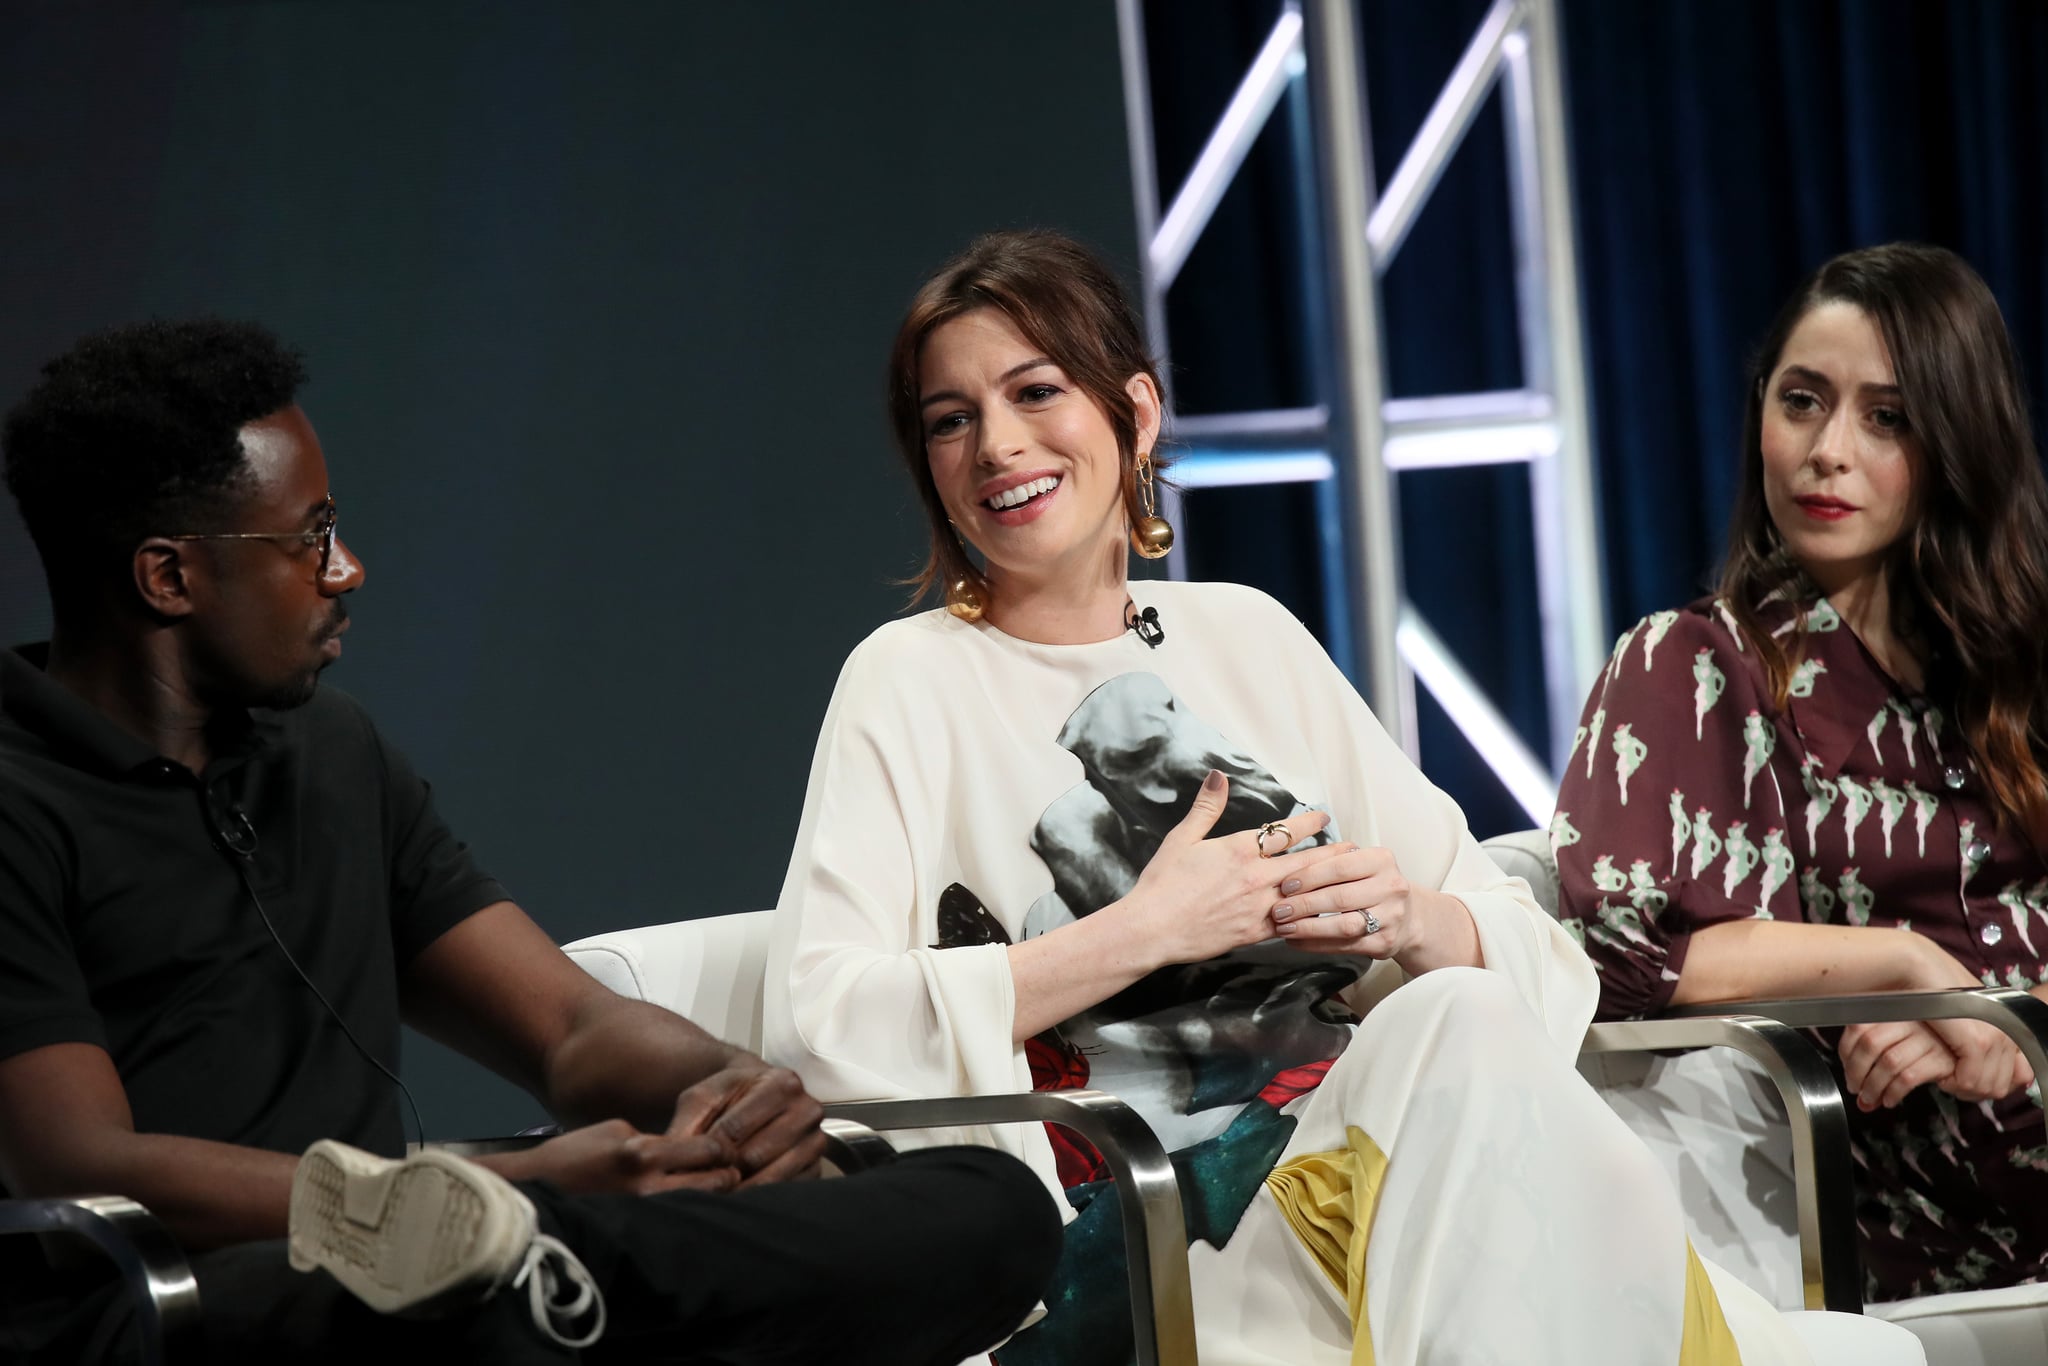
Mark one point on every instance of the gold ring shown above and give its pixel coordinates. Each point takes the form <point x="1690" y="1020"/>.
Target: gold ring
<point x="1274" y="828"/>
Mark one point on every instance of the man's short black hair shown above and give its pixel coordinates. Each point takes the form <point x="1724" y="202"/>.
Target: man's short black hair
<point x="134" y="432"/>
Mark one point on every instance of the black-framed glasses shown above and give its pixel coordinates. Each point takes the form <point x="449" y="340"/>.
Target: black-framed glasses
<point x="319" y="536"/>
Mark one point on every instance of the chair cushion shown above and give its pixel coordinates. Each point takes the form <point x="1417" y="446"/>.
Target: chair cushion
<point x="1856" y="1340"/>
<point x="708" y="970"/>
<point x="1526" y="854"/>
<point x="1976" y="1327"/>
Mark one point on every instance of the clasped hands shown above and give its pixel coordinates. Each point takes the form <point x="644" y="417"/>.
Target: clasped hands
<point x="1200" y="897"/>
<point x="1969" y="1059"/>
<point x="748" y="1124"/>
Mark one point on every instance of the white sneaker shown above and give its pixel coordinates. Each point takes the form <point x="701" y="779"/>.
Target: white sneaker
<point x="430" y="1234"/>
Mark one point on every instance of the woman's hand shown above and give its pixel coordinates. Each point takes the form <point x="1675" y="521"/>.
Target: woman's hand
<point x="1201" y="897"/>
<point x="1988" y="1064"/>
<point x="1355" y="900"/>
<point x="1881" y="1063"/>
<point x="1968" y="1059"/>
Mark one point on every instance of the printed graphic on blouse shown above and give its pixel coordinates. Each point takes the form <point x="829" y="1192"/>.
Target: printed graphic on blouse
<point x="1205" y="1052"/>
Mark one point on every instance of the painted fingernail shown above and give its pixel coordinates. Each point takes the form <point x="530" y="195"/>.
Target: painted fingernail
<point x="1290" y="887"/>
<point x="1283" y="912"/>
<point x="1213" y="781"/>
<point x="1283" y="927"/>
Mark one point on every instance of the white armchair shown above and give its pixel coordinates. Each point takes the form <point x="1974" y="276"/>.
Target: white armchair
<point x="711" y="970"/>
<point x="1767" y="1186"/>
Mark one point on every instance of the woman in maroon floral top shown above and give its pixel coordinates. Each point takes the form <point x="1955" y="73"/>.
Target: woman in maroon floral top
<point x="1828" y="777"/>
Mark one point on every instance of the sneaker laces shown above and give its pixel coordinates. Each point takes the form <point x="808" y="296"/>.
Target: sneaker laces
<point x="548" y="1271"/>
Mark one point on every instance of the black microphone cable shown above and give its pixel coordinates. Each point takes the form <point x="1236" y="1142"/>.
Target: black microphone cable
<point x="236" y="837"/>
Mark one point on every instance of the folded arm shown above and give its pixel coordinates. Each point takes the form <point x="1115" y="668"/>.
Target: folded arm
<point x="1740" y="960"/>
<point x="1753" y="959"/>
<point x="498" y="989"/>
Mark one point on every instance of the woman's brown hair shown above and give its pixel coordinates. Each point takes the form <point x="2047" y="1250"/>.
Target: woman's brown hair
<point x="1969" y="584"/>
<point x="1069" y="306"/>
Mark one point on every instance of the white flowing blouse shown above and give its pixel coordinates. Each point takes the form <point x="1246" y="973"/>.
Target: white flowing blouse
<point x="972" y="789"/>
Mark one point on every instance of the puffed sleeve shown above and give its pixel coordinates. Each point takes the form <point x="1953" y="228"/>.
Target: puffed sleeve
<point x="1670" y="817"/>
<point x="857" y="1000"/>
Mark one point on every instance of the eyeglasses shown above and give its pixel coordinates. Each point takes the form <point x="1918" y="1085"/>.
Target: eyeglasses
<point x="320" y="535"/>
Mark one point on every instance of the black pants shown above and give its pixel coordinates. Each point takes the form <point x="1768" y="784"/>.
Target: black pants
<point x="927" y="1260"/>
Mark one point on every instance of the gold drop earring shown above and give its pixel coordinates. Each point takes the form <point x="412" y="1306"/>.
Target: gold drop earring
<point x="1151" y="535"/>
<point x="966" y="598"/>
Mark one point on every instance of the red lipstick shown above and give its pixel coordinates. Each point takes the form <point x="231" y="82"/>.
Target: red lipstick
<point x="1823" y="508"/>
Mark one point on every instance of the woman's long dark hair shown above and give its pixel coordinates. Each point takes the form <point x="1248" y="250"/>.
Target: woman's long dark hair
<point x="1969" y="581"/>
<point x="1067" y="304"/>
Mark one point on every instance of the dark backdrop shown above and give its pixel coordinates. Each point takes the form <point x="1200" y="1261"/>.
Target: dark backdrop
<point x="1720" y="152"/>
<point x="596" y="298"/>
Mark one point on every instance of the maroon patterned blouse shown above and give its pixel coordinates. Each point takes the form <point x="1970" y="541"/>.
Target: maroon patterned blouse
<point x="1691" y="799"/>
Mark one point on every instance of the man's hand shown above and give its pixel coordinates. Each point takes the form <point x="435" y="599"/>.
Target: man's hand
<point x="760" y="1113"/>
<point x="614" y="1157"/>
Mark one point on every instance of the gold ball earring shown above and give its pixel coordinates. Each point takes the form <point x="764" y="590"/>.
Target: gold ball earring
<point x="1151" y="535"/>
<point x="966" y="598"/>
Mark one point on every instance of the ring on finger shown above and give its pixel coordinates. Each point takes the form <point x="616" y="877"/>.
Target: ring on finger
<point x="1372" y="923"/>
<point x="1274" y="828"/>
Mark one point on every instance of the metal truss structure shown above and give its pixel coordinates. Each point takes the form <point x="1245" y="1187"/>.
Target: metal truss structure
<point x="1353" y="445"/>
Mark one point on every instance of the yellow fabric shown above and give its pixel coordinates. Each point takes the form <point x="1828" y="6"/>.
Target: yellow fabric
<point x="1707" y="1340"/>
<point x="1329" y="1198"/>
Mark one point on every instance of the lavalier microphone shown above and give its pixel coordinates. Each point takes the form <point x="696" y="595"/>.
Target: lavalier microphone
<point x="1145" y="623"/>
<point x="234" y="833"/>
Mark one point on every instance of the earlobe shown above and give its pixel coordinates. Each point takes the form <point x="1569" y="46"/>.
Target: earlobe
<point x="160" y="571"/>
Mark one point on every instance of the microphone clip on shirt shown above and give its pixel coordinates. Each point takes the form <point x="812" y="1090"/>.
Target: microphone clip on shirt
<point x="1145" y="623"/>
<point x="234" y="833"/>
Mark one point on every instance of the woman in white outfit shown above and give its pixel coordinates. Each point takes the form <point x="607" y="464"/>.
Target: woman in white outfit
<point x="1143" y="836"/>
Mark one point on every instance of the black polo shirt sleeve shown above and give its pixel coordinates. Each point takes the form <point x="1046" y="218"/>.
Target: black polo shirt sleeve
<point x="435" y="883"/>
<point x="44" y="998"/>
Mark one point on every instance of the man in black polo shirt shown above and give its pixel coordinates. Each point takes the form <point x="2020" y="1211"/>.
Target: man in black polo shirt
<point x="221" y="890"/>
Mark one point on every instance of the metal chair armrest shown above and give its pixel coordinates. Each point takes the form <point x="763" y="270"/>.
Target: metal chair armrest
<point x="1830" y="1263"/>
<point x="2022" y="1017"/>
<point x="1155" y="1233"/>
<point x="152" y="1265"/>
<point x="853" y="1147"/>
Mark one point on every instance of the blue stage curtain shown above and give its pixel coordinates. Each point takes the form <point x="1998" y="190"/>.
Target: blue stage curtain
<point x="1720" y="152"/>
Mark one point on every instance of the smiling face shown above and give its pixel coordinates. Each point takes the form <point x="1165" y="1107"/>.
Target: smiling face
<point x="1839" y="455"/>
<point x="266" y="616"/>
<point x="1024" y="460"/>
